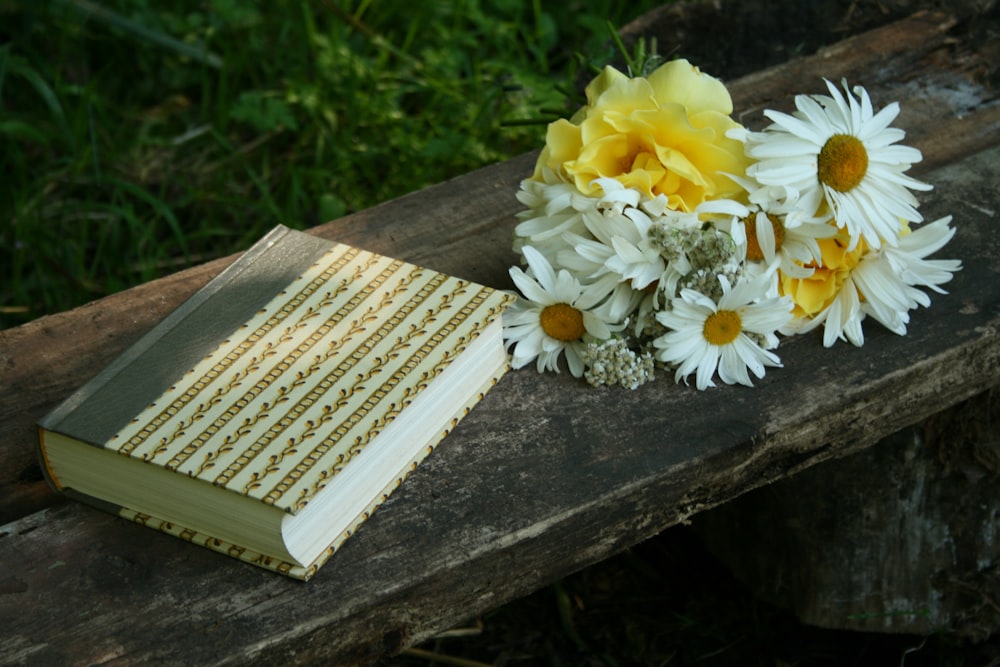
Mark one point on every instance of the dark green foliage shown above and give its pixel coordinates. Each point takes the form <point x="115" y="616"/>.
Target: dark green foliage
<point x="139" y="137"/>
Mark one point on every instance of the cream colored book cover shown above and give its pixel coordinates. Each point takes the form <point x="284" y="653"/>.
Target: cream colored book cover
<point x="357" y="346"/>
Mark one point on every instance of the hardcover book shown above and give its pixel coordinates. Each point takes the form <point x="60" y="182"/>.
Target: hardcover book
<point x="277" y="407"/>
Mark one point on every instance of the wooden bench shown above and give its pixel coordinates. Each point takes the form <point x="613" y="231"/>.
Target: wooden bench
<point x="547" y="475"/>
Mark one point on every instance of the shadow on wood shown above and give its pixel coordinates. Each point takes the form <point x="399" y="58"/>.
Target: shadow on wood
<point x="901" y="537"/>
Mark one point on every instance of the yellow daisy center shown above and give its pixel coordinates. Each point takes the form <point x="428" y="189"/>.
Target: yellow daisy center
<point x="722" y="327"/>
<point x="562" y="322"/>
<point x="754" y="253"/>
<point x="842" y="162"/>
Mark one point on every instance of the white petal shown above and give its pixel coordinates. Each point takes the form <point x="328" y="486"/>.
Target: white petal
<point x="540" y="268"/>
<point x="529" y="287"/>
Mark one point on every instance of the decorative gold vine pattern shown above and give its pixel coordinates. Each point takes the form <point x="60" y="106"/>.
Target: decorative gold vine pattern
<point x="276" y="372"/>
<point x="389" y="413"/>
<point x="234" y="355"/>
<point x="324" y="385"/>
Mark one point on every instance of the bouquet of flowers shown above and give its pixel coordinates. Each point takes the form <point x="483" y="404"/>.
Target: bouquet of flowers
<point x="660" y="232"/>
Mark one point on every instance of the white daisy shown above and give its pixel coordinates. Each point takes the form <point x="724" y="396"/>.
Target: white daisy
<point x="908" y="259"/>
<point x="733" y="335"/>
<point x="835" y="149"/>
<point x="556" y="207"/>
<point x="884" y="284"/>
<point x="779" y="229"/>
<point x="617" y="243"/>
<point x="557" y="314"/>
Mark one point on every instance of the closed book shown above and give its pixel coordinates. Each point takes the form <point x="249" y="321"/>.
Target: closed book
<point x="278" y="406"/>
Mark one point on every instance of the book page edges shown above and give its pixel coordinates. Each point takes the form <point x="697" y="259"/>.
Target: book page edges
<point x="268" y="562"/>
<point x="411" y="466"/>
<point x="295" y="570"/>
<point x="43" y="461"/>
<point x="171" y="497"/>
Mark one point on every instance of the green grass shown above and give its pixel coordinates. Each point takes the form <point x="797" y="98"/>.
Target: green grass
<point x="137" y="138"/>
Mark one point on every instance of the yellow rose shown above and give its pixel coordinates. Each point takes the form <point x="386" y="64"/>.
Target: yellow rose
<point x="811" y="295"/>
<point x="661" y="134"/>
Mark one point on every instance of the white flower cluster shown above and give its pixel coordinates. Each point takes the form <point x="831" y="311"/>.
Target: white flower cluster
<point x="821" y="234"/>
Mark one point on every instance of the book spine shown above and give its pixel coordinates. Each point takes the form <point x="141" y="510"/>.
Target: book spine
<point x="156" y="361"/>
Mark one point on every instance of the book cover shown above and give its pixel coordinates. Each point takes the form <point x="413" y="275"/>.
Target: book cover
<point x="270" y="414"/>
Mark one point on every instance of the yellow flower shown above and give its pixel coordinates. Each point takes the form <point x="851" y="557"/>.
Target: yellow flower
<point x="661" y="134"/>
<point x="813" y="294"/>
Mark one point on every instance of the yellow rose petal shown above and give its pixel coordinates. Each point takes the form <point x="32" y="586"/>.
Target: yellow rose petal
<point x="665" y="134"/>
<point x="680" y="81"/>
<point x="608" y="77"/>
<point x="562" y="143"/>
<point x="811" y="295"/>
<point x="626" y="97"/>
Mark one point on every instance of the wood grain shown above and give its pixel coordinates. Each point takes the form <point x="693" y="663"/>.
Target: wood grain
<point x="546" y="475"/>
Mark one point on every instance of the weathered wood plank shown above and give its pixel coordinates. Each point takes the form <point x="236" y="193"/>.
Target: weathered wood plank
<point x="546" y="476"/>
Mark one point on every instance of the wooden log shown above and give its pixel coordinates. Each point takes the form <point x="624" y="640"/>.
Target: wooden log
<point x="900" y="537"/>
<point x="545" y="477"/>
